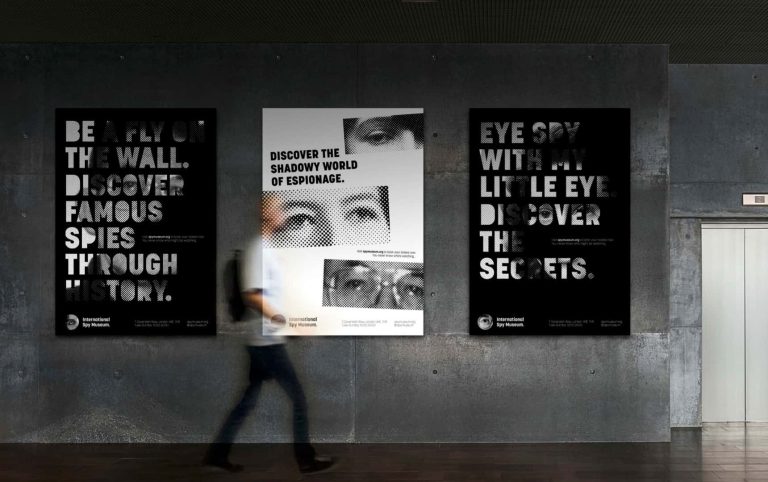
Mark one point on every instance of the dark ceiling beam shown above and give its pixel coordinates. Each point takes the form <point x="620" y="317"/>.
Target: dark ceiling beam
<point x="697" y="31"/>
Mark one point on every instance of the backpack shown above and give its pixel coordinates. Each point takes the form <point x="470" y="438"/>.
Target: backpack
<point x="232" y="290"/>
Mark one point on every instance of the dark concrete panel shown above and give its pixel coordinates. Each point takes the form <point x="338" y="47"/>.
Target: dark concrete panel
<point x="309" y="75"/>
<point x="685" y="376"/>
<point x="446" y="256"/>
<point x="300" y="76"/>
<point x="25" y="251"/>
<point x="448" y="80"/>
<point x="151" y="75"/>
<point x="685" y="272"/>
<point x="718" y="116"/>
<point x="134" y="389"/>
<point x="459" y="388"/>
<point x="163" y="390"/>
<point x="21" y="123"/>
<point x="326" y="366"/>
<point x="18" y="385"/>
<point x="685" y="319"/>
<point x="714" y="200"/>
<point x="238" y="80"/>
<point x="46" y="223"/>
<point x="649" y="258"/>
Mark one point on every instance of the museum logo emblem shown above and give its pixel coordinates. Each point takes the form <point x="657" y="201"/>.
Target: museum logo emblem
<point x="485" y="322"/>
<point x="72" y="322"/>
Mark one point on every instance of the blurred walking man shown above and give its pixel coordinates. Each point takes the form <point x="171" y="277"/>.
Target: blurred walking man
<point x="262" y="288"/>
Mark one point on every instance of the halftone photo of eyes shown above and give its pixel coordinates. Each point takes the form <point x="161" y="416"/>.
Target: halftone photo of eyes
<point x="329" y="217"/>
<point x="373" y="284"/>
<point x="384" y="134"/>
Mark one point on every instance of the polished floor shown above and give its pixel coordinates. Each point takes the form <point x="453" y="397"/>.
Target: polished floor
<point x="721" y="452"/>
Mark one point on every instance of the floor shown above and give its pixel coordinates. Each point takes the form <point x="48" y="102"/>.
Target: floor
<point x="721" y="452"/>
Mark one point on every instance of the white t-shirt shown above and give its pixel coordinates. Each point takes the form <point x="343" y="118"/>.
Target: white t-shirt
<point x="260" y="270"/>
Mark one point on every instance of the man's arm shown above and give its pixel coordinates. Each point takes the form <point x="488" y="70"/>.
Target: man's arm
<point x="255" y="299"/>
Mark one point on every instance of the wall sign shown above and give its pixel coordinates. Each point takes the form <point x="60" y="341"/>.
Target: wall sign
<point x="549" y="222"/>
<point x="349" y="183"/>
<point x="135" y="221"/>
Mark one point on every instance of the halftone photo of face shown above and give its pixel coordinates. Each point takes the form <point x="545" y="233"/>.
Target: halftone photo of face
<point x="373" y="284"/>
<point x="384" y="134"/>
<point x="329" y="217"/>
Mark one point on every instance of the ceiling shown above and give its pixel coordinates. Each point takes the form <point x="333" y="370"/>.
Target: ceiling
<point x="697" y="31"/>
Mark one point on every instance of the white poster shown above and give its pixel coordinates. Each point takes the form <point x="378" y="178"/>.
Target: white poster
<point x="349" y="186"/>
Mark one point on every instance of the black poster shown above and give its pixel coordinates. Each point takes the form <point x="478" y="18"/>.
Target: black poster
<point x="135" y="221"/>
<point x="549" y="221"/>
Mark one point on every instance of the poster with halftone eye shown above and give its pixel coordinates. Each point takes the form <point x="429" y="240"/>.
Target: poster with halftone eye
<point x="135" y="222"/>
<point x="549" y="222"/>
<point x="342" y="203"/>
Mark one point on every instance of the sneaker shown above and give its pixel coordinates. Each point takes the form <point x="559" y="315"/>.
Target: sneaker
<point x="223" y="464"/>
<point x="317" y="465"/>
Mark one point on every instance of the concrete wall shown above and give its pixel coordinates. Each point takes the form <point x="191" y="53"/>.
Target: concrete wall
<point x="445" y="386"/>
<point x="719" y="146"/>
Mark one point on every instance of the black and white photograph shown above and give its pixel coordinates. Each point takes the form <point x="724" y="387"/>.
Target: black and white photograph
<point x="331" y="217"/>
<point x="384" y="133"/>
<point x="343" y="190"/>
<point x="373" y="284"/>
<point x="135" y="221"/>
<point x="549" y="222"/>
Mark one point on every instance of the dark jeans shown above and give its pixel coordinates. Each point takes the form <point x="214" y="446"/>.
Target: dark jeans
<point x="268" y="362"/>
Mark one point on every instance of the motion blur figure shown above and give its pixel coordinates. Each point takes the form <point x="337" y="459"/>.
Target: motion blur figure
<point x="262" y="289"/>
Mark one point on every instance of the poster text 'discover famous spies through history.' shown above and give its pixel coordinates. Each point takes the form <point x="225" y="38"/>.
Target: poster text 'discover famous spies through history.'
<point x="549" y="222"/>
<point x="348" y="184"/>
<point x="135" y="221"/>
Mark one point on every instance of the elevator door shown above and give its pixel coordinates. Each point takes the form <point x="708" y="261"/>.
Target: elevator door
<point x="756" y="323"/>
<point x="734" y="322"/>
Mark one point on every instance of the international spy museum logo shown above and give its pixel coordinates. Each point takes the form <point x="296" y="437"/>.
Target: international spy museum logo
<point x="72" y="322"/>
<point x="485" y="322"/>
